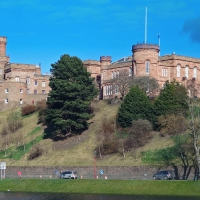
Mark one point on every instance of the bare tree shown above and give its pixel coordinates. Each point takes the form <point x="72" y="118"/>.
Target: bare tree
<point x="122" y="82"/>
<point x="195" y="131"/>
<point x="147" y="84"/>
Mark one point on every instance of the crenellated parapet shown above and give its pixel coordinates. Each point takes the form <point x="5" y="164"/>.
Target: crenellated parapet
<point x="145" y="46"/>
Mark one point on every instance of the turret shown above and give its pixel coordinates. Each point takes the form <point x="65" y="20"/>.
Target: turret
<point x="3" y="41"/>
<point x="145" y="57"/>
<point x="105" y="61"/>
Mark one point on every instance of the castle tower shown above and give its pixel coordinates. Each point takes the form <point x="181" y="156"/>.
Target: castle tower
<point x="3" y="58"/>
<point x="105" y="61"/>
<point x="145" y="58"/>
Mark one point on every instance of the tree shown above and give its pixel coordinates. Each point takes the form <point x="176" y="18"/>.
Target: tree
<point x="122" y="82"/>
<point x="136" y="105"/>
<point x="72" y="90"/>
<point x="147" y="84"/>
<point x="172" y="99"/>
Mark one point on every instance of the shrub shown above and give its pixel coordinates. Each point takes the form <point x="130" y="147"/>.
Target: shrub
<point x="172" y="124"/>
<point x="139" y="134"/>
<point x="35" y="152"/>
<point x="4" y="130"/>
<point x="14" y="121"/>
<point x="28" y="109"/>
<point x="41" y="108"/>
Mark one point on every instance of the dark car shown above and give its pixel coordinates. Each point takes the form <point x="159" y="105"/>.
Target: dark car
<point x="164" y="175"/>
<point x="69" y="175"/>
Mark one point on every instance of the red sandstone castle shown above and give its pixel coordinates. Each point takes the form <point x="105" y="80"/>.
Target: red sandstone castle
<point x="24" y="84"/>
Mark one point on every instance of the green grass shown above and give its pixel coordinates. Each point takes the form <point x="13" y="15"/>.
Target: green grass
<point x="129" y="187"/>
<point x="35" y="130"/>
<point x="17" y="153"/>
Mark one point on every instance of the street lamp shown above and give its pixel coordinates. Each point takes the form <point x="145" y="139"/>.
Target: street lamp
<point x="95" y="175"/>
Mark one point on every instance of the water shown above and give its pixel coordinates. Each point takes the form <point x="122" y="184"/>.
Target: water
<point x="57" y="196"/>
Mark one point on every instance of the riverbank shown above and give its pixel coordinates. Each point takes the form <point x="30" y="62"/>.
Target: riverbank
<point x="124" y="187"/>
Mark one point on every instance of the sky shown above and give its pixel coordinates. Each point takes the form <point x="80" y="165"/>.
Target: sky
<point x="41" y="31"/>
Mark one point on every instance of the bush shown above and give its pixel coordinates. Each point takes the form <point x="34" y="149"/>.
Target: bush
<point x="139" y="134"/>
<point x="14" y="121"/>
<point x="28" y="109"/>
<point x="35" y="152"/>
<point x="172" y="124"/>
<point x="41" y="108"/>
<point x="4" y="130"/>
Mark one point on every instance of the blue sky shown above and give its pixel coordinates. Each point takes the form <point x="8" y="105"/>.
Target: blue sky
<point x="40" y="31"/>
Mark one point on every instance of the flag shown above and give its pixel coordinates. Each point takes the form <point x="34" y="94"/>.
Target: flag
<point x="158" y="35"/>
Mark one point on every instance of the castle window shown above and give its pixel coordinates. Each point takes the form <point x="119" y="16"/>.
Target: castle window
<point x="1" y="71"/>
<point x="20" y="90"/>
<point x="17" y="78"/>
<point x="35" y="92"/>
<point x="28" y="80"/>
<point x="27" y="91"/>
<point x="195" y="72"/>
<point x="147" y="65"/>
<point x="43" y="83"/>
<point x="20" y="101"/>
<point x="164" y="72"/>
<point x="43" y="91"/>
<point x="178" y="71"/>
<point x="130" y="71"/>
<point x="36" y="82"/>
<point x="112" y="75"/>
<point x="6" y="90"/>
<point x="6" y="100"/>
<point x="186" y="71"/>
<point x="116" y="89"/>
<point x="117" y="74"/>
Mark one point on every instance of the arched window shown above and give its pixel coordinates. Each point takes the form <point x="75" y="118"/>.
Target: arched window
<point x="195" y="72"/>
<point x="130" y="71"/>
<point x="147" y="65"/>
<point x="186" y="71"/>
<point x="178" y="71"/>
<point x="118" y="74"/>
<point x="112" y="75"/>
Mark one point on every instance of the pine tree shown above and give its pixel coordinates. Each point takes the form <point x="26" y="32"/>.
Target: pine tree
<point x="72" y="90"/>
<point x="135" y="106"/>
<point x="172" y="100"/>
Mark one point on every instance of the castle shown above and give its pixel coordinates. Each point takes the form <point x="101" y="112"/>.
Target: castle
<point x="22" y="84"/>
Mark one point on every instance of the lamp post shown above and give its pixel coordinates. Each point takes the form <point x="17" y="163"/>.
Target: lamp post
<point x="95" y="175"/>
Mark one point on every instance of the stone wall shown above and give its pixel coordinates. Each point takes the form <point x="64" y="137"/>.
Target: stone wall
<point x="120" y="172"/>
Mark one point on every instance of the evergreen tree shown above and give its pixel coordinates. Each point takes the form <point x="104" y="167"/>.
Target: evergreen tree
<point x="172" y="99"/>
<point x="135" y="106"/>
<point x="72" y="90"/>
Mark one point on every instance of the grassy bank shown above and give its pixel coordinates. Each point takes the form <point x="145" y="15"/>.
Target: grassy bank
<point x="129" y="187"/>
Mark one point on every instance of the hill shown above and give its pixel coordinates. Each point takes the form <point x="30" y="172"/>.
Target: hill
<point x="74" y="151"/>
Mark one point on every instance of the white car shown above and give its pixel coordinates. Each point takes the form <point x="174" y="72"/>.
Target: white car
<point x="69" y="175"/>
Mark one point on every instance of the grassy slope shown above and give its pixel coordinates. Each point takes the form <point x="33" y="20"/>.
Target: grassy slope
<point x="81" y="153"/>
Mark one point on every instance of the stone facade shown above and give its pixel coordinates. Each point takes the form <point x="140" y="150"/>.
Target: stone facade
<point x="20" y="84"/>
<point x="145" y="61"/>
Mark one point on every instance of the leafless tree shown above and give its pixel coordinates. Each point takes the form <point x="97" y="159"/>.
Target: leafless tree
<point x="122" y="82"/>
<point x="195" y="130"/>
<point x="147" y="84"/>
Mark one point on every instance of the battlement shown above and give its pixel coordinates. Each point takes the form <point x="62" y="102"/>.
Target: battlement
<point x="145" y="46"/>
<point x="3" y="39"/>
<point x="105" y="58"/>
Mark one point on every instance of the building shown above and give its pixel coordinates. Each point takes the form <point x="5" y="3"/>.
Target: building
<point x="22" y="84"/>
<point x="145" y="61"/>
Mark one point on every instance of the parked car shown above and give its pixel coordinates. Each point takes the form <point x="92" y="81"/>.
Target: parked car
<point x="164" y="175"/>
<point x="69" y="175"/>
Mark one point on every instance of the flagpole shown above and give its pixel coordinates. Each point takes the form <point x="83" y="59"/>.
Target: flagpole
<point x="145" y="27"/>
<point x="159" y="41"/>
